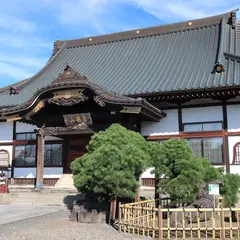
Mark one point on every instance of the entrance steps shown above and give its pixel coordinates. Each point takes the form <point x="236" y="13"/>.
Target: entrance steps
<point x="62" y="194"/>
<point x="65" y="182"/>
<point x="45" y="197"/>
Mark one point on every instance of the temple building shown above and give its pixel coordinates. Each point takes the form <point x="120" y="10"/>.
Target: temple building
<point x="180" y="80"/>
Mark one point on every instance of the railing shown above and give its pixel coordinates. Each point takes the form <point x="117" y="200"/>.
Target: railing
<point x="143" y="218"/>
<point x="148" y="182"/>
<point x="31" y="181"/>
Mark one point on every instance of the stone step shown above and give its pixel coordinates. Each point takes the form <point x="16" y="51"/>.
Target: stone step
<point x="45" y="190"/>
<point x="65" y="181"/>
<point x="41" y="198"/>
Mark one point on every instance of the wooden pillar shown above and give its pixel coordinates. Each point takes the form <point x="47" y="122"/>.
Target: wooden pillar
<point x="225" y="138"/>
<point x="137" y="198"/>
<point x="13" y="152"/>
<point x="180" y="123"/>
<point x="40" y="159"/>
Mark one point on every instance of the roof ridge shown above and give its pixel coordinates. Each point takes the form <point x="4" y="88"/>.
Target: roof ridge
<point x="143" y="32"/>
<point x="25" y="82"/>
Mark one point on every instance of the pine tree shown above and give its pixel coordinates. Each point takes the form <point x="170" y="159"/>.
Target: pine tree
<point x="114" y="160"/>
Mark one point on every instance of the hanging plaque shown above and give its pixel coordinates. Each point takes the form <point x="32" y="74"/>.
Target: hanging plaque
<point x="76" y="119"/>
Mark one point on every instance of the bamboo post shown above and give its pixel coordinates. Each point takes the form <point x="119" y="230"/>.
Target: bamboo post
<point x="138" y="189"/>
<point x="206" y="224"/>
<point x="153" y="225"/>
<point x="230" y="221"/>
<point x="111" y="211"/>
<point x="191" y="231"/>
<point x="157" y="200"/>
<point x="168" y="224"/>
<point x="183" y="223"/>
<point x="160" y="234"/>
<point x="114" y="209"/>
<point x="148" y="222"/>
<point x="213" y="224"/>
<point x="176" y="225"/>
<point x="222" y="223"/>
<point x="238" y="227"/>
<point x="124" y="218"/>
<point x="198" y="224"/>
<point x="119" y="217"/>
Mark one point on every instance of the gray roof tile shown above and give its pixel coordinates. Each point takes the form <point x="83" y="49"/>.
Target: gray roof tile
<point x="167" y="61"/>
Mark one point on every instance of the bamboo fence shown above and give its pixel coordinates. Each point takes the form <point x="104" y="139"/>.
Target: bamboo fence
<point x="143" y="218"/>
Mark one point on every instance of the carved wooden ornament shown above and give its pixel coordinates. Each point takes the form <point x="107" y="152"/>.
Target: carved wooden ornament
<point x="13" y="118"/>
<point x="131" y="109"/>
<point x="68" y="97"/>
<point x="99" y="101"/>
<point x="39" y="106"/>
<point x="69" y="74"/>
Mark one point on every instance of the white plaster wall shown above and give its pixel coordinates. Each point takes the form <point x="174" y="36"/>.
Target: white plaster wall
<point x="52" y="172"/>
<point x="24" y="172"/>
<point x="6" y="132"/>
<point x="235" y="169"/>
<point x="202" y="114"/>
<point x="31" y="172"/>
<point x="147" y="173"/>
<point x="24" y="127"/>
<point x="166" y="126"/>
<point x="233" y="116"/>
<point x="9" y="149"/>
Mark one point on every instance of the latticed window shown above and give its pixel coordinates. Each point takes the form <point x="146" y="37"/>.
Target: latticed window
<point x="26" y="136"/>
<point x="4" y="158"/>
<point x="236" y="153"/>
<point x="211" y="148"/>
<point x="25" y="155"/>
<point x="202" y="126"/>
<point x="53" y="155"/>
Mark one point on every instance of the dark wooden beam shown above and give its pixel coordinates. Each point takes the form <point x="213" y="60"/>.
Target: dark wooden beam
<point x="180" y="123"/>
<point x="40" y="160"/>
<point x="225" y="138"/>
<point x="13" y="150"/>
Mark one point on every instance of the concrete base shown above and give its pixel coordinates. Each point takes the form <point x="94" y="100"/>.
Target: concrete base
<point x="90" y="211"/>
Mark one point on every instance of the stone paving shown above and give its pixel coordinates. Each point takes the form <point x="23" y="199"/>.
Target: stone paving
<point x="13" y="212"/>
<point x="51" y="223"/>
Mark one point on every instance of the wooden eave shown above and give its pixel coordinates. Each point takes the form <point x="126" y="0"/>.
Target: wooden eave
<point x="107" y="97"/>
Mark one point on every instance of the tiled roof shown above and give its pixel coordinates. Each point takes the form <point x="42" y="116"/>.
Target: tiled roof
<point x="170" y="58"/>
<point x="238" y="38"/>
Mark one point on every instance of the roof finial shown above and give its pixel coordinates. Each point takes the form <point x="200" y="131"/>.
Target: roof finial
<point x="13" y="91"/>
<point x="233" y="19"/>
<point x="218" y="67"/>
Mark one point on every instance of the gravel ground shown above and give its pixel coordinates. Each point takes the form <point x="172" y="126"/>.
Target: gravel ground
<point x="57" y="226"/>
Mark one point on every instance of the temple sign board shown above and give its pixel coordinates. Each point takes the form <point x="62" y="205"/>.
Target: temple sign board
<point x="213" y="189"/>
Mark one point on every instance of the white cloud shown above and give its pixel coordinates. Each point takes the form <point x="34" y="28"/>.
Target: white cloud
<point x="22" y="41"/>
<point x="101" y="13"/>
<point x="30" y="62"/>
<point x="25" y="34"/>
<point x="16" y="24"/>
<point x="14" y="71"/>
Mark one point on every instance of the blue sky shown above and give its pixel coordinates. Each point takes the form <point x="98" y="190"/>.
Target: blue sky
<point x="28" y="28"/>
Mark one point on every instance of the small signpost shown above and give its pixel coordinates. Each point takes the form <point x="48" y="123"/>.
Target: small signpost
<point x="213" y="189"/>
